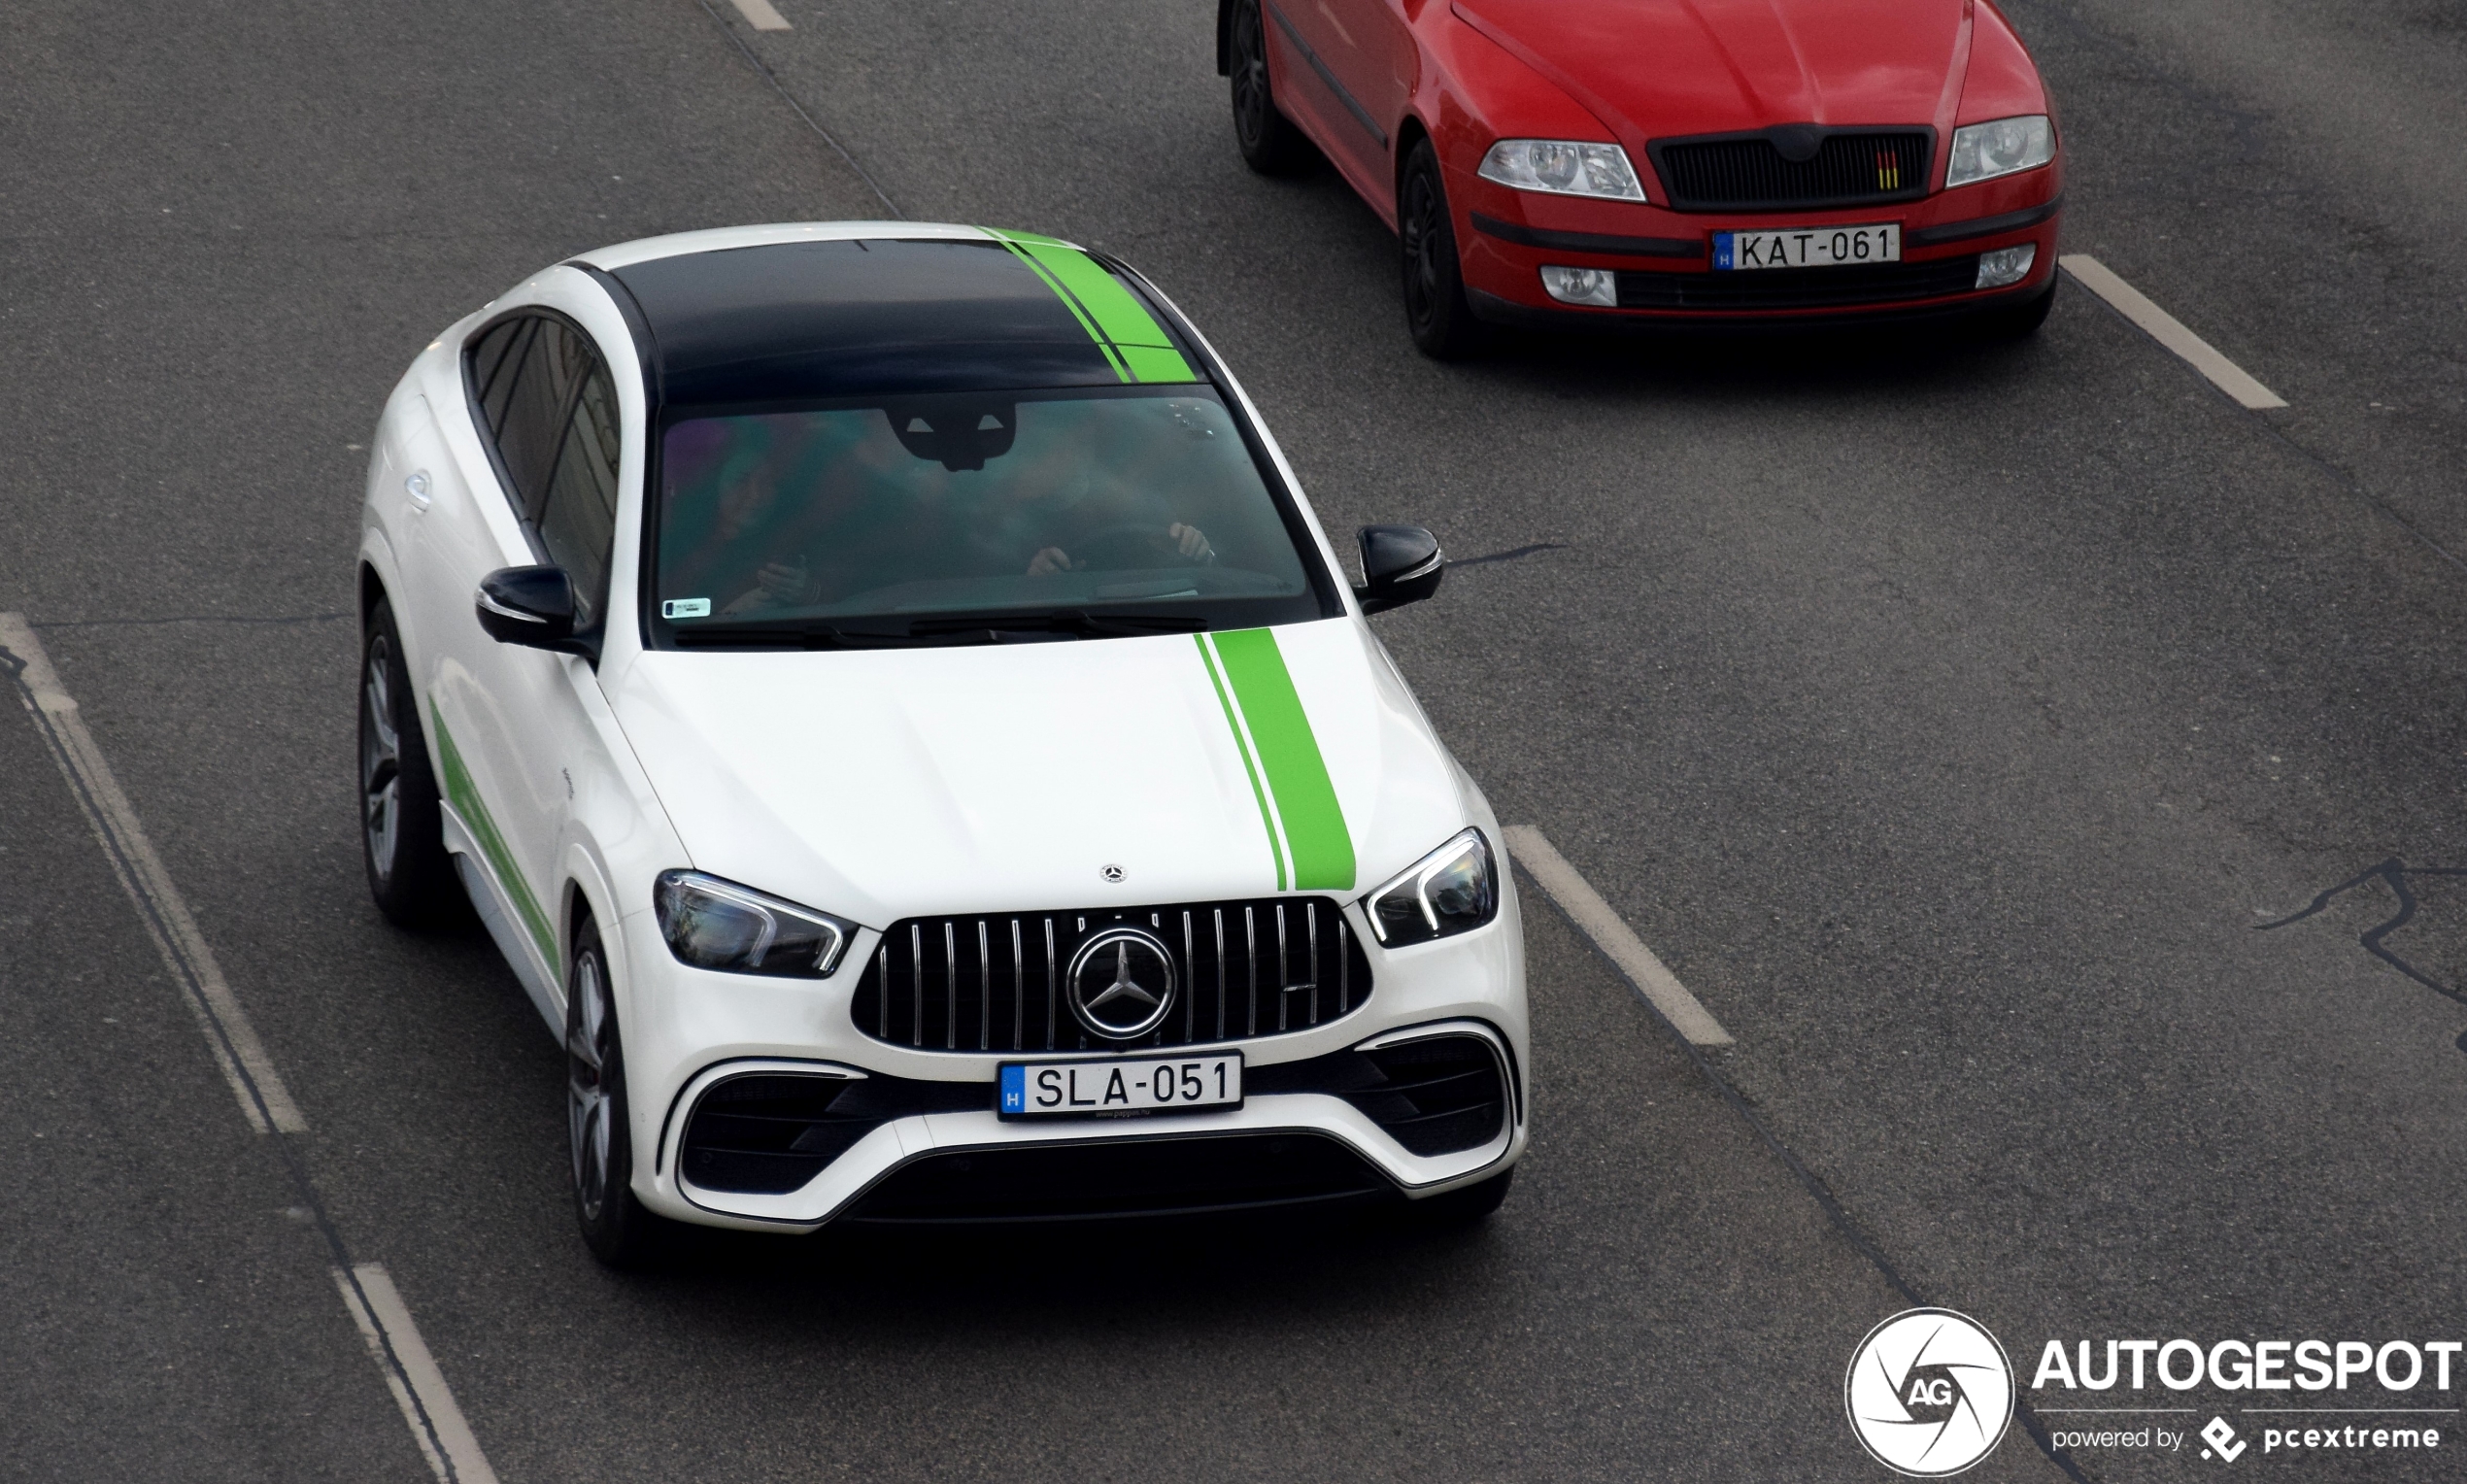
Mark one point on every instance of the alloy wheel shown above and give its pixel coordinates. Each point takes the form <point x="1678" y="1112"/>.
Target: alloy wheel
<point x="1251" y="101"/>
<point x="380" y="759"/>
<point x="590" y="1107"/>
<point x="1419" y="223"/>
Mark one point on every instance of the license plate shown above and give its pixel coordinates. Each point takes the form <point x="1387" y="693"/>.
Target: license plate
<point x="1141" y="1085"/>
<point x="1809" y="247"/>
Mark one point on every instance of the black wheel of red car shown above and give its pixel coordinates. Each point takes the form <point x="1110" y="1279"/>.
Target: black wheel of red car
<point x="402" y="830"/>
<point x="616" y="1228"/>
<point x="1270" y="142"/>
<point x="1436" y="312"/>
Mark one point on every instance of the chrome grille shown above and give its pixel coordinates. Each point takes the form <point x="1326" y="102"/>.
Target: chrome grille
<point x="994" y="982"/>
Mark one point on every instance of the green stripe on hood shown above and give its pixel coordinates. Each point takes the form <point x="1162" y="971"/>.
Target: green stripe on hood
<point x="1315" y="838"/>
<point x="466" y="798"/>
<point x="1121" y="325"/>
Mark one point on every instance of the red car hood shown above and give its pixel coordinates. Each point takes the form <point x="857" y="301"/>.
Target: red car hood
<point x="1655" y="68"/>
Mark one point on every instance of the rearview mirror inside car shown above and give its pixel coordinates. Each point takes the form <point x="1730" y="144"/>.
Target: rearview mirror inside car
<point x="532" y="606"/>
<point x="1401" y="564"/>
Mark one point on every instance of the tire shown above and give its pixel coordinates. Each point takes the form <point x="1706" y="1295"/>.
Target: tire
<point x="1463" y="1208"/>
<point x="2019" y="322"/>
<point x="600" y="1132"/>
<point x="1435" y="312"/>
<point x="402" y="835"/>
<point x="1270" y="142"/>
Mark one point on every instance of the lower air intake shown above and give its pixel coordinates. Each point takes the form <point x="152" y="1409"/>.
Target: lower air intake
<point x="1441" y="1096"/>
<point x="1154" y="1177"/>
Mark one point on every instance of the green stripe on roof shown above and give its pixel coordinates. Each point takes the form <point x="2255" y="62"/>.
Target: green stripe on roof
<point x="465" y="798"/>
<point x="1112" y="357"/>
<point x="1121" y="322"/>
<point x="1316" y="839"/>
<point x="1268" y="821"/>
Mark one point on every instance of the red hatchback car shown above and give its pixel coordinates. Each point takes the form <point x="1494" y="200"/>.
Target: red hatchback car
<point x="1585" y="162"/>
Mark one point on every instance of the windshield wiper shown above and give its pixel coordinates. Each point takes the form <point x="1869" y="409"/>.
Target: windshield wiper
<point x="1062" y="620"/>
<point x="938" y="631"/>
<point x="771" y="633"/>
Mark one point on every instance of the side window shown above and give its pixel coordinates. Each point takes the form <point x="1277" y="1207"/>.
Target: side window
<point x="578" y="524"/>
<point x="494" y="358"/>
<point x="554" y="364"/>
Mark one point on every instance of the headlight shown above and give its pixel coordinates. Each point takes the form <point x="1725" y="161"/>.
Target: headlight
<point x="715" y="923"/>
<point x="1562" y="167"/>
<point x="1984" y="152"/>
<point x="1447" y="892"/>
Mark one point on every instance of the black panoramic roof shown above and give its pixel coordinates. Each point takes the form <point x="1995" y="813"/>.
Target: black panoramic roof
<point x="797" y="320"/>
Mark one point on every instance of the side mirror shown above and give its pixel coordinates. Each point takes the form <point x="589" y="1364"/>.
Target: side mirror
<point x="1401" y="564"/>
<point x="532" y="606"/>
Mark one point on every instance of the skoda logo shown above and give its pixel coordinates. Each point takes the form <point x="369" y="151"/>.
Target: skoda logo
<point x="1120" y="983"/>
<point x="1930" y="1393"/>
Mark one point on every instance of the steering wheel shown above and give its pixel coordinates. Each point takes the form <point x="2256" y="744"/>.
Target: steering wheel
<point x="1132" y="545"/>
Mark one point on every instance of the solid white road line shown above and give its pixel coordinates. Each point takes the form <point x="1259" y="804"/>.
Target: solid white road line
<point x="1585" y="905"/>
<point x="419" y="1389"/>
<point x="2164" y="327"/>
<point x="237" y="1051"/>
<point x="760" y="15"/>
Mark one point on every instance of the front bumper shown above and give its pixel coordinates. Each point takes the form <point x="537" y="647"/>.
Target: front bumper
<point x="1664" y="258"/>
<point x="689" y="1032"/>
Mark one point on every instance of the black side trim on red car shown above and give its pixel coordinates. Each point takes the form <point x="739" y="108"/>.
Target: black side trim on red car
<point x="1589" y="242"/>
<point x="1983" y="227"/>
<point x="1361" y="115"/>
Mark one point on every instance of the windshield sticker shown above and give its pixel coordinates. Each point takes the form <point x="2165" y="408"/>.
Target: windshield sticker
<point x="686" y="608"/>
<point x="1306" y="825"/>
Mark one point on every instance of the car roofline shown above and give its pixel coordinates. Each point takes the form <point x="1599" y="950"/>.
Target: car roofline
<point x="643" y="249"/>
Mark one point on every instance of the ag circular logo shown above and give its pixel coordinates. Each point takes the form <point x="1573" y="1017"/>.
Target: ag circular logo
<point x="1930" y="1393"/>
<point x="1120" y="983"/>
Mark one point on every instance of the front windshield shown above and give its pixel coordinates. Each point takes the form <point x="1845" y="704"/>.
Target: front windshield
<point x="1070" y="511"/>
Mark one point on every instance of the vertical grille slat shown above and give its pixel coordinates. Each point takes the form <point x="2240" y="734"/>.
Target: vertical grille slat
<point x="1019" y="990"/>
<point x="1850" y="168"/>
<point x="1310" y="912"/>
<point x="1250" y="964"/>
<point x="1279" y="946"/>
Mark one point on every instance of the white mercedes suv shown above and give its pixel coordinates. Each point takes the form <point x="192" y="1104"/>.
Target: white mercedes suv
<point x="888" y="698"/>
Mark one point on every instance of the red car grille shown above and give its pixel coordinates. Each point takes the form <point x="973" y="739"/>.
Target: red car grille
<point x="1752" y="172"/>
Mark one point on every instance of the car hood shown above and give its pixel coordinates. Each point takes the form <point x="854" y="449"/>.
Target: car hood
<point x="889" y="784"/>
<point x="1652" y="69"/>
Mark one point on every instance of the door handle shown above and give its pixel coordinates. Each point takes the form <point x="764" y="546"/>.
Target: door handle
<point x="416" y="487"/>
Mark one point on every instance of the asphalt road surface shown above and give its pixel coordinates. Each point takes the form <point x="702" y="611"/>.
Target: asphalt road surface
<point x="1946" y="717"/>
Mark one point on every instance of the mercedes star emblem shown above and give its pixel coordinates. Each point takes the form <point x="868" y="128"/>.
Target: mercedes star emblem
<point x="1120" y="983"/>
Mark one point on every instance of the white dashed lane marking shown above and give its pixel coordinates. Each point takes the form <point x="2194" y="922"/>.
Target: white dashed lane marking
<point x="760" y="15"/>
<point x="419" y="1388"/>
<point x="2167" y="331"/>
<point x="237" y="1051"/>
<point x="1585" y="908"/>
<point x="445" y="1440"/>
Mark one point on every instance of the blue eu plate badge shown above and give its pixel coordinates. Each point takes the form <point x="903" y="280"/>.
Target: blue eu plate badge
<point x="1015" y="1089"/>
<point x="1723" y="260"/>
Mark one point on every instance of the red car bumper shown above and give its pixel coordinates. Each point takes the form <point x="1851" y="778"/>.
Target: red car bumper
<point x="1664" y="258"/>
